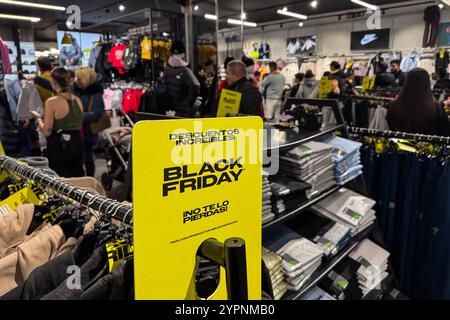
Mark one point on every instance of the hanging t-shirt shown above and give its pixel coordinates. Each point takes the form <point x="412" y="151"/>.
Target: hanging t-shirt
<point x="146" y="46"/>
<point x="116" y="57"/>
<point x="132" y="100"/>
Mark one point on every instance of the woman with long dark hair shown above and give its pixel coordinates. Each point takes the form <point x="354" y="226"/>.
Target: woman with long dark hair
<point x="416" y="110"/>
<point x="63" y="119"/>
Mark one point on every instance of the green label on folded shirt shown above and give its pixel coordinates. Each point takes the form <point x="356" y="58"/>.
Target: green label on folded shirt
<point x="292" y="261"/>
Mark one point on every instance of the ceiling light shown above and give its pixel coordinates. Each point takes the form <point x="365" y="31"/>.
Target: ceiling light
<point x="210" y="16"/>
<point x="69" y="24"/>
<point x="314" y="4"/>
<point x="244" y="16"/>
<point x="301" y="24"/>
<point x="291" y="14"/>
<point x="441" y="6"/>
<point x="245" y="23"/>
<point x="196" y="7"/>
<point x="365" y="4"/>
<point x="34" y="5"/>
<point x="121" y="7"/>
<point x="165" y="34"/>
<point x="11" y="16"/>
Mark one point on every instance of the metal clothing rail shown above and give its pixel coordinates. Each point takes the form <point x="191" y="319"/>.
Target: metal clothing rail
<point x="370" y="98"/>
<point x="400" y="135"/>
<point x="106" y="207"/>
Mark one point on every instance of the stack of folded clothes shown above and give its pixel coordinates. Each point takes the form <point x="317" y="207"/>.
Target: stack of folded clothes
<point x="329" y="235"/>
<point x="347" y="158"/>
<point x="301" y="257"/>
<point x="363" y="271"/>
<point x="287" y="193"/>
<point x="267" y="214"/>
<point x="349" y="209"/>
<point x="373" y="268"/>
<point x="273" y="263"/>
<point x="317" y="294"/>
<point x="311" y="163"/>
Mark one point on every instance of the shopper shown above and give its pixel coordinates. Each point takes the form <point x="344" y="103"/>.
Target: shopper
<point x="297" y="87"/>
<point x="90" y="92"/>
<point x="416" y="110"/>
<point x="310" y="86"/>
<point x="42" y="81"/>
<point x="251" y="100"/>
<point x="183" y="86"/>
<point x="398" y="73"/>
<point x="63" y="119"/>
<point x="275" y="87"/>
<point x="442" y="82"/>
<point x="383" y="78"/>
<point x="250" y="65"/>
<point x="223" y="84"/>
<point x="338" y="74"/>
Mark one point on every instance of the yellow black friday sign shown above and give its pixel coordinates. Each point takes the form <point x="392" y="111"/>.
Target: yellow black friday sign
<point x="195" y="180"/>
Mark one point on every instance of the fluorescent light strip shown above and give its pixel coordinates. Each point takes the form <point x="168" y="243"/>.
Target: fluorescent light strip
<point x="210" y="16"/>
<point x="291" y="14"/>
<point x="239" y="22"/>
<point x="11" y="16"/>
<point x="365" y="4"/>
<point x="34" y="5"/>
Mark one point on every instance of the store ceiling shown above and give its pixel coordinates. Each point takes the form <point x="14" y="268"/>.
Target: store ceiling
<point x="95" y="11"/>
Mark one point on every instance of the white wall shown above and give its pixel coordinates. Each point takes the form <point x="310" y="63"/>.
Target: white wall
<point x="406" y="34"/>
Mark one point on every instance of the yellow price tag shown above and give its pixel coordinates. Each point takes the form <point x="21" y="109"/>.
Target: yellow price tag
<point x="230" y="102"/>
<point x="24" y="196"/>
<point x="203" y="183"/>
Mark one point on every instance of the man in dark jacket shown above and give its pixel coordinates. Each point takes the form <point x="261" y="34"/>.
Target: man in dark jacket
<point x="183" y="86"/>
<point x="399" y="75"/>
<point x="338" y="74"/>
<point x="90" y="91"/>
<point x="251" y="100"/>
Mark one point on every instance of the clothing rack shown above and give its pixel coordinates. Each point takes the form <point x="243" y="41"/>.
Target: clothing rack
<point x="370" y="98"/>
<point x="106" y="207"/>
<point x="400" y="135"/>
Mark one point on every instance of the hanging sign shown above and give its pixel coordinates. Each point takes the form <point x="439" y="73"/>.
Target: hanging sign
<point x="229" y="103"/>
<point x="324" y="88"/>
<point x="197" y="192"/>
<point x="372" y="81"/>
<point x="366" y="84"/>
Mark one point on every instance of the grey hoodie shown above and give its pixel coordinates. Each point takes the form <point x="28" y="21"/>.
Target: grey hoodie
<point x="309" y="89"/>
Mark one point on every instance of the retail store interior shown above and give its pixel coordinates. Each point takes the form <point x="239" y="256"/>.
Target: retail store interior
<point x="354" y="98"/>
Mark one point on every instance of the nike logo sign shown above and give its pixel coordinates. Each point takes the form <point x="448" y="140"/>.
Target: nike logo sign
<point x="368" y="38"/>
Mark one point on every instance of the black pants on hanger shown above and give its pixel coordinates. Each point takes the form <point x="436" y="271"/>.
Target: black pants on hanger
<point x="432" y="18"/>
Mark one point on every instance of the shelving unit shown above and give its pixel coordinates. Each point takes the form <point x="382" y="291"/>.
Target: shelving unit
<point x="322" y="272"/>
<point x="284" y="140"/>
<point x="301" y="208"/>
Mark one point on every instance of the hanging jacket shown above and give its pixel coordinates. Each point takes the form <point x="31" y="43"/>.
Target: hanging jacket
<point x="309" y="89"/>
<point x="13" y="92"/>
<point x="251" y="100"/>
<point x="9" y="135"/>
<point x="94" y="92"/>
<point x="29" y="100"/>
<point x="94" y="55"/>
<point x="183" y="86"/>
<point x="4" y="54"/>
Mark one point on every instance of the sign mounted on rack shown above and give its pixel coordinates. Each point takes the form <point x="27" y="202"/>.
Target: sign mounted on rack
<point x="197" y="193"/>
<point x="324" y="87"/>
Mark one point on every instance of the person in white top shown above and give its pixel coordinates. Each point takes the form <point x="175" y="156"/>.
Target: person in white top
<point x="275" y="86"/>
